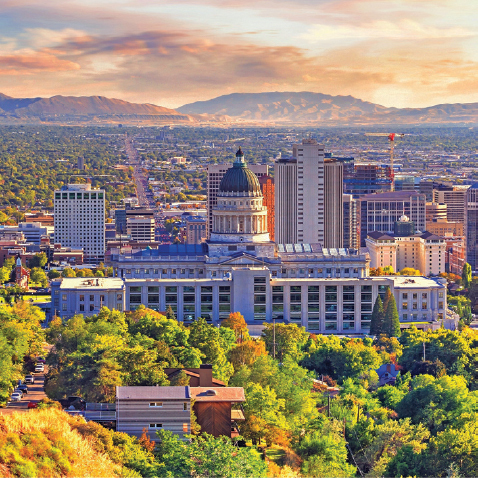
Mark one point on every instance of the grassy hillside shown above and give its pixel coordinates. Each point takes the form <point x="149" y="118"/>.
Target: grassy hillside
<point x="44" y="444"/>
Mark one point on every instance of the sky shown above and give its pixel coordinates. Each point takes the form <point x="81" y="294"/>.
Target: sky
<point x="401" y="53"/>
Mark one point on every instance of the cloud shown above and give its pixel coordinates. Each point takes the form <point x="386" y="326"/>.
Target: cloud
<point x="30" y="63"/>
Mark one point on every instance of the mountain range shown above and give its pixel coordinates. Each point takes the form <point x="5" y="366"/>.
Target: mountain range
<point x="61" y="107"/>
<point x="273" y="107"/>
<point x="308" y="107"/>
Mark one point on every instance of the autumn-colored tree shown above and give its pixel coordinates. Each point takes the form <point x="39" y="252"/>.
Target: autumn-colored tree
<point x="145" y="441"/>
<point x="236" y="322"/>
<point x="247" y="353"/>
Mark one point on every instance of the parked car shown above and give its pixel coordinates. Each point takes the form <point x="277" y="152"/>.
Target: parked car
<point x="32" y="405"/>
<point x="17" y="390"/>
<point x="16" y="397"/>
<point x="29" y="379"/>
<point x="39" y="368"/>
<point x="40" y="360"/>
<point x="23" y="388"/>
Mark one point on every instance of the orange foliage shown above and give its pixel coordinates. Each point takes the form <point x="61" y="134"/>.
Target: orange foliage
<point x="236" y="322"/>
<point x="247" y="353"/>
<point x="146" y="442"/>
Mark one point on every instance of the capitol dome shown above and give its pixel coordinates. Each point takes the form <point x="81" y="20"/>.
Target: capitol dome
<point x="240" y="179"/>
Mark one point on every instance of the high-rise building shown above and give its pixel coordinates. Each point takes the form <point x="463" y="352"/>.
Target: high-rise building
<point x="435" y="212"/>
<point x="308" y="197"/>
<point x="215" y="174"/>
<point x="267" y="187"/>
<point x="427" y="186"/>
<point x="379" y="212"/>
<point x="350" y="222"/>
<point x="367" y="179"/>
<point x="80" y="219"/>
<point x="404" y="183"/>
<point x="472" y="227"/>
<point x="455" y="199"/>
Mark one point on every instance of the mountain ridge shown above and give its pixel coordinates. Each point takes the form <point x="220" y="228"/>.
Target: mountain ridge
<point x="81" y="106"/>
<point x="308" y="106"/>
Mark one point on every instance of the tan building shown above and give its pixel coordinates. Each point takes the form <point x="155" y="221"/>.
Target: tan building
<point x="140" y="228"/>
<point x="309" y="197"/>
<point x="445" y="228"/>
<point x="195" y="229"/>
<point x="435" y="211"/>
<point x="455" y="200"/>
<point x="425" y="252"/>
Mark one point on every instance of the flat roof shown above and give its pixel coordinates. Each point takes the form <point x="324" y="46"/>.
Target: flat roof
<point x="152" y="393"/>
<point x="99" y="283"/>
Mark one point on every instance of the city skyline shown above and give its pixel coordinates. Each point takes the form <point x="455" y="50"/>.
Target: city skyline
<point x="399" y="53"/>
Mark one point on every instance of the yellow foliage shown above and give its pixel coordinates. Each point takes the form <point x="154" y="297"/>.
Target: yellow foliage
<point x="42" y="443"/>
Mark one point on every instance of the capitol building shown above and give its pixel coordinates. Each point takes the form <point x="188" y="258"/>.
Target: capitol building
<point x="239" y="269"/>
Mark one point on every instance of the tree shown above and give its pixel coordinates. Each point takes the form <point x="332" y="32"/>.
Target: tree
<point x="170" y="313"/>
<point x="391" y="324"/>
<point x="410" y="271"/>
<point x="289" y="339"/>
<point x="38" y="260"/>
<point x="38" y="276"/>
<point x="68" y="272"/>
<point x="53" y="274"/>
<point x="378" y="318"/>
<point x="236" y="322"/>
<point x="5" y="273"/>
<point x="466" y="275"/>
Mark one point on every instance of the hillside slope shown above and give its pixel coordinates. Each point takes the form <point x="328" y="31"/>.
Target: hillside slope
<point x="83" y="106"/>
<point x="326" y="109"/>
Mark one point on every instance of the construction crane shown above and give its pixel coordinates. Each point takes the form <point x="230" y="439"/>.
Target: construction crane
<point x="391" y="139"/>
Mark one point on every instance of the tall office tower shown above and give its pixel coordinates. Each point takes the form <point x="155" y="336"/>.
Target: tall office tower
<point x="455" y="199"/>
<point x="435" y="212"/>
<point x="404" y="183"/>
<point x="80" y="220"/>
<point x="81" y="163"/>
<point x="214" y="175"/>
<point x="472" y="227"/>
<point x="267" y="187"/>
<point x="367" y="179"/>
<point x="427" y="186"/>
<point x="350" y="222"/>
<point x="379" y="212"/>
<point x="308" y="197"/>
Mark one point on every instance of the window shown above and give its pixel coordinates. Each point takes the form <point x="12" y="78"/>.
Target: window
<point x="82" y="307"/>
<point x="92" y="298"/>
<point x="64" y="307"/>
<point x="154" y="426"/>
<point x="185" y="406"/>
<point x="92" y="307"/>
<point x="82" y="298"/>
<point x="155" y="404"/>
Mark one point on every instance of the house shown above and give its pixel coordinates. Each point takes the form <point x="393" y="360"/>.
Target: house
<point x="153" y="409"/>
<point x="213" y="409"/>
<point x="387" y="374"/>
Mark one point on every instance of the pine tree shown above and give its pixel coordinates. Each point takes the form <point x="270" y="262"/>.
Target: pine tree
<point x="377" y="322"/>
<point x="392" y="321"/>
<point x="388" y="295"/>
<point x="170" y="313"/>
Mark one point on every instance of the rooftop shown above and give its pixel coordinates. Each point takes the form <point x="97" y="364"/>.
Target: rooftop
<point x="91" y="283"/>
<point x="152" y="393"/>
<point x="392" y="195"/>
<point x="216" y="394"/>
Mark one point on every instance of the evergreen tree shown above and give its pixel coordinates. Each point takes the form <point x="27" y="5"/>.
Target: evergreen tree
<point x="170" y="313"/>
<point x="466" y="275"/>
<point x="392" y="321"/>
<point x="388" y="295"/>
<point x="377" y="322"/>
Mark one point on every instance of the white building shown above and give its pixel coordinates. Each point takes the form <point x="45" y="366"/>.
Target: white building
<point x="308" y="197"/>
<point x="140" y="228"/>
<point x="80" y="220"/>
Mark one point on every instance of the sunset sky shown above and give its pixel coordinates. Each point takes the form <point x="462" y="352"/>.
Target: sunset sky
<point x="403" y="53"/>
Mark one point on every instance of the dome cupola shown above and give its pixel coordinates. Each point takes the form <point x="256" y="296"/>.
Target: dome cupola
<point x="240" y="180"/>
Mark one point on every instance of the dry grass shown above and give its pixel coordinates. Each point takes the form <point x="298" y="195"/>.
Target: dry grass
<point x="42" y="443"/>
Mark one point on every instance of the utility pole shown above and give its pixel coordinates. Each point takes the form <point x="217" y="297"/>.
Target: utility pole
<point x="274" y="337"/>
